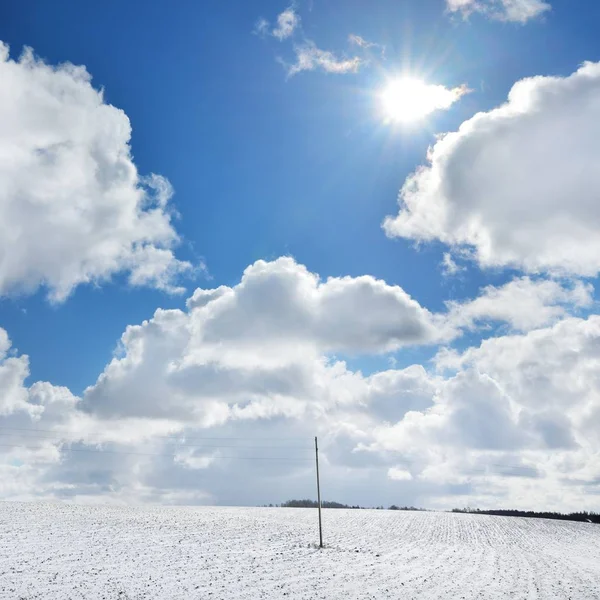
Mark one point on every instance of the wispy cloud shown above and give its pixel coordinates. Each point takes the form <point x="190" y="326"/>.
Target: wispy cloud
<point x="261" y="27"/>
<point x="450" y="267"/>
<point x="287" y="22"/>
<point x="357" y="40"/>
<point x="518" y="11"/>
<point x="361" y="42"/>
<point x="310" y="58"/>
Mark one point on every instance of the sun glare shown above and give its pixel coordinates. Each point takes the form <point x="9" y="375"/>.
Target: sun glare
<point x="407" y="100"/>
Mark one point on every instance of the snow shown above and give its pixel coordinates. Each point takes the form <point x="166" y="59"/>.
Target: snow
<point x="64" y="551"/>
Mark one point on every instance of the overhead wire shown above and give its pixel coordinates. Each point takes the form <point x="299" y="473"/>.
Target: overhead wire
<point x="161" y="454"/>
<point x="181" y="443"/>
<point x="480" y="467"/>
<point x="169" y="436"/>
<point x="87" y="440"/>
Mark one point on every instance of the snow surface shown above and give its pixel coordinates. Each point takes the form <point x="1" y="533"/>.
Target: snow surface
<point x="59" y="551"/>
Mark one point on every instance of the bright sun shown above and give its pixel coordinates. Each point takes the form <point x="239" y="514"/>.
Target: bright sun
<point x="402" y="100"/>
<point x="407" y="100"/>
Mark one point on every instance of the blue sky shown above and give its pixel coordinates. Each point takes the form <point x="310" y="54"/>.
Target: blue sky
<point x="265" y="164"/>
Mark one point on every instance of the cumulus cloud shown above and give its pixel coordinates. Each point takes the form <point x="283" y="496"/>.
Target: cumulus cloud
<point x="4" y="343"/>
<point x="504" y="188"/>
<point x="310" y="58"/>
<point x="13" y="371"/>
<point x="253" y="360"/>
<point x="287" y="22"/>
<point x="258" y="347"/>
<point x="518" y="11"/>
<point x="523" y="303"/>
<point x="469" y="410"/>
<point x="73" y="208"/>
<point x="399" y="474"/>
<point x="391" y="394"/>
<point x="519" y="408"/>
<point x="251" y="371"/>
<point x="548" y="374"/>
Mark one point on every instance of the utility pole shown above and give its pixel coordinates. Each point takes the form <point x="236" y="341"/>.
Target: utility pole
<point x="319" y="494"/>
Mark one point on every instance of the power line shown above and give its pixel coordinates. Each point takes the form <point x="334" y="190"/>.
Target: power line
<point x="170" y="436"/>
<point x="86" y="440"/>
<point x="531" y="472"/>
<point x="475" y="468"/>
<point x="522" y="468"/>
<point x="52" y="438"/>
<point x="102" y="451"/>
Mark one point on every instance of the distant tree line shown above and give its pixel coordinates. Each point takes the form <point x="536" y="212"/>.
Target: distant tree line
<point x="314" y="504"/>
<point x="584" y="517"/>
<point x="330" y="504"/>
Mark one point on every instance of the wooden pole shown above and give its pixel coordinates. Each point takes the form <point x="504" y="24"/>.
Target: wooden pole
<point x="319" y="494"/>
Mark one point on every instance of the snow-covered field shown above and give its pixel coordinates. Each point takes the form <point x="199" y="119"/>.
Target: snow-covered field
<point x="64" y="551"/>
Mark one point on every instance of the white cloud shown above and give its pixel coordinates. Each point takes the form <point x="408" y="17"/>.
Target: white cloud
<point x="257" y="348"/>
<point x="13" y="372"/>
<point x="190" y="459"/>
<point x="73" y="208"/>
<point x="287" y="22"/>
<point x="242" y="361"/>
<point x="469" y="410"/>
<point x="399" y="474"/>
<point x="517" y="424"/>
<point x="289" y="303"/>
<point x="4" y="343"/>
<point x="523" y="303"/>
<point x="505" y="188"/>
<point x="310" y="58"/>
<point x="359" y="41"/>
<point x="450" y="267"/>
<point x="519" y="11"/>
<point x="546" y="368"/>
<point x="261" y="27"/>
<point x="391" y="394"/>
<point x="254" y="361"/>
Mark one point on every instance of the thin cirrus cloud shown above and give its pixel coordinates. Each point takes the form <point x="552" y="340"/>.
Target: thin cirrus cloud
<point x="287" y="22"/>
<point x="261" y="27"/>
<point x="518" y="11"/>
<point x="308" y="56"/>
<point x="361" y="42"/>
